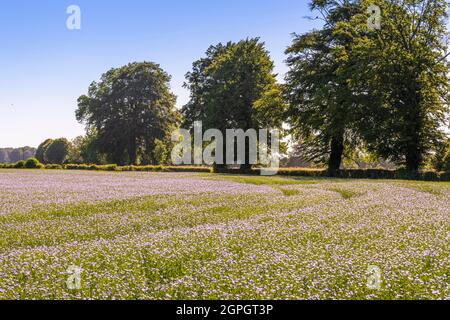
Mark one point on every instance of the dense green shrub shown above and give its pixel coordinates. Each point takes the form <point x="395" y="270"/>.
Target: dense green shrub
<point x="445" y="176"/>
<point x="114" y="167"/>
<point x="77" y="166"/>
<point x="188" y="169"/>
<point x="294" y="172"/>
<point x="54" y="167"/>
<point x="299" y="172"/>
<point x="165" y="169"/>
<point x="401" y="174"/>
<point x="33" y="163"/>
<point x="430" y="176"/>
<point x="368" y="174"/>
<point x="106" y="167"/>
<point x="91" y="167"/>
<point x="19" y="164"/>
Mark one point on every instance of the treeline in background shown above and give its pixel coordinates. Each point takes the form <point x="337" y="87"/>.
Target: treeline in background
<point x="355" y="96"/>
<point x="13" y="155"/>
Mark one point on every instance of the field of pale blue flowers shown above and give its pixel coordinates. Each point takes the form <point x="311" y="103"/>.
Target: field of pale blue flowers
<point x="201" y="236"/>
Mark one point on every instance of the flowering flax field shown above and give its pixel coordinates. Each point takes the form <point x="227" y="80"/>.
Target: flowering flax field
<point x="201" y="236"/>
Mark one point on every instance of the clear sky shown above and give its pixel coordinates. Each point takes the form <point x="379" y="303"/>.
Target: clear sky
<point x="44" y="67"/>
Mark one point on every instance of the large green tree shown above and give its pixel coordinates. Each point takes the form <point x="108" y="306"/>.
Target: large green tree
<point x="58" y="151"/>
<point x="42" y="148"/>
<point x="321" y="103"/>
<point x="400" y="72"/>
<point x="85" y="149"/>
<point x="234" y="86"/>
<point x="129" y="109"/>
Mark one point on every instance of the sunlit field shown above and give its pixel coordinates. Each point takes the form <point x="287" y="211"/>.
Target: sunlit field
<point x="204" y="236"/>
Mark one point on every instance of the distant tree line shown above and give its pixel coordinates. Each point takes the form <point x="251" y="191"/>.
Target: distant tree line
<point x="13" y="155"/>
<point x="354" y="94"/>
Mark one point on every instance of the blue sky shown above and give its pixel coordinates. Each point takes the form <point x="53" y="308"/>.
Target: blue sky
<point x="45" y="67"/>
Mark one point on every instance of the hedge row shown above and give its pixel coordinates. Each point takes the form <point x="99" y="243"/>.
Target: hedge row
<point x="294" y="172"/>
<point x="302" y="172"/>
<point x="113" y="167"/>
<point x="109" y="167"/>
<point x="367" y="174"/>
<point x="355" y="174"/>
<point x="31" y="163"/>
<point x="394" y="174"/>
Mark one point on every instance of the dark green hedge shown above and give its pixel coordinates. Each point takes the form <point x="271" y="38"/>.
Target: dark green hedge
<point x="111" y="167"/>
<point x="114" y="167"/>
<point x="358" y="174"/>
<point x="369" y="174"/>
<point x="294" y="172"/>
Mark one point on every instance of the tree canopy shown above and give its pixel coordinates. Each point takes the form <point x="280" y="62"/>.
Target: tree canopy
<point x="400" y="72"/>
<point x="42" y="148"/>
<point x="234" y="86"/>
<point x="57" y="151"/>
<point x="321" y="103"/>
<point x="129" y="109"/>
<point x="355" y="93"/>
<point x="384" y="89"/>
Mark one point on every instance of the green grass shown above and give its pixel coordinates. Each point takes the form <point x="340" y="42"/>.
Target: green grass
<point x="268" y="181"/>
<point x="345" y="194"/>
<point x="290" y="192"/>
<point x="436" y="189"/>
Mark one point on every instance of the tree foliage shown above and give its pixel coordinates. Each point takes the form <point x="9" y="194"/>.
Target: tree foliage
<point x="400" y="72"/>
<point x="129" y="109"/>
<point x="42" y="148"/>
<point x="321" y="103"/>
<point x="58" y="151"/>
<point x="441" y="159"/>
<point x="234" y="86"/>
<point x="352" y="86"/>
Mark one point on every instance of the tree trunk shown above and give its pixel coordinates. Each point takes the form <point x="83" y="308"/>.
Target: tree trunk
<point x="337" y="150"/>
<point x="414" y="125"/>
<point x="132" y="152"/>
<point x="246" y="168"/>
<point x="222" y="168"/>
<point x="413" y="160"/>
